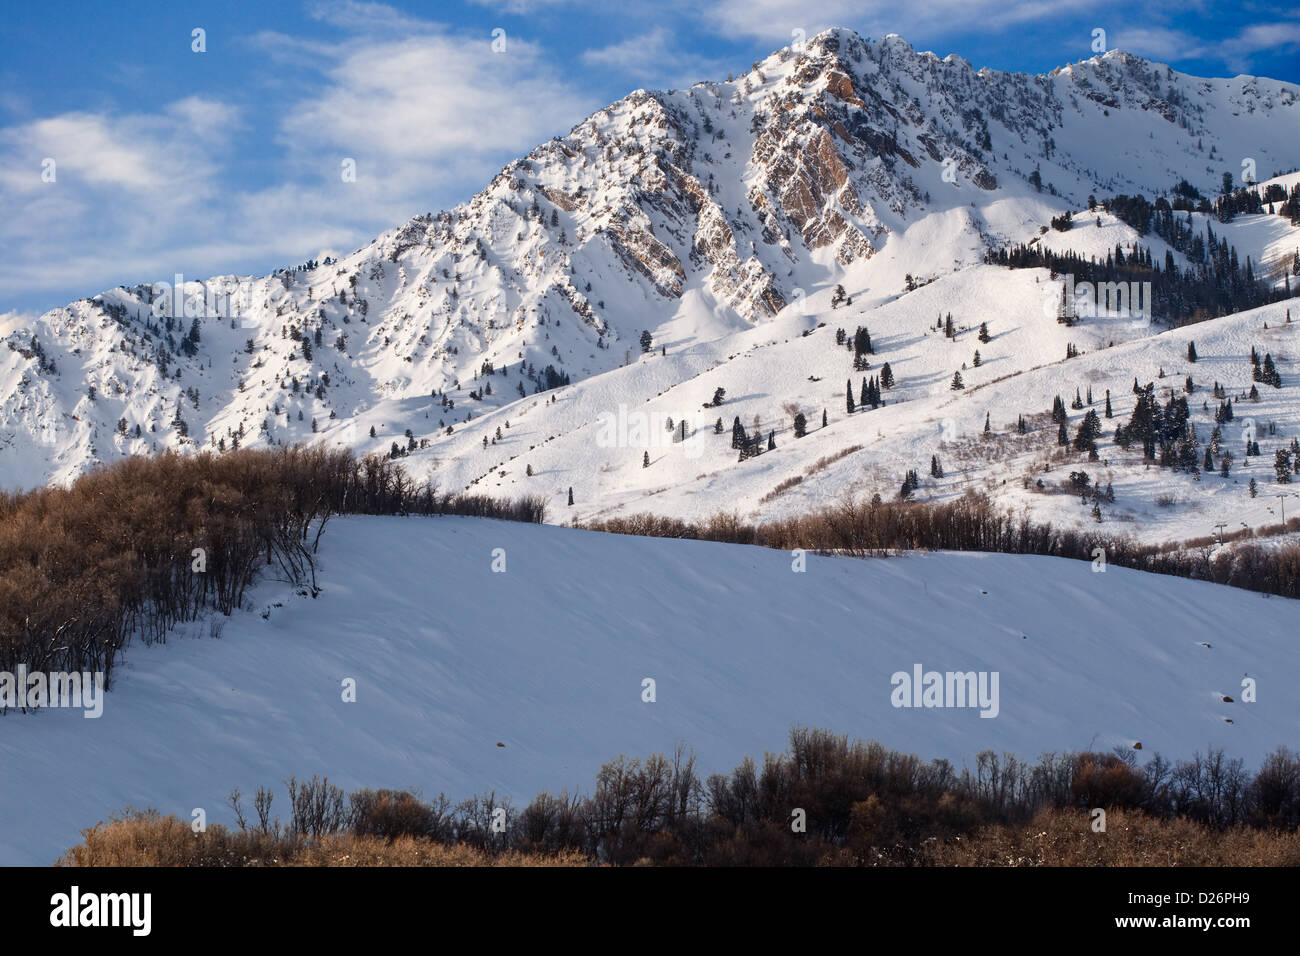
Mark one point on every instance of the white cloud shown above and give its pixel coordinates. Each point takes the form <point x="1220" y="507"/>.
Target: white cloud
<point x="429" y="116"/>
<point x="12" y="321"/>
<point x="654" y="59"/>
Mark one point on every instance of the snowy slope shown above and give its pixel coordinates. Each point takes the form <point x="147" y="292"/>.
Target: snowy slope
<point x="452" y="659"/>
<point x="566" y="443"/>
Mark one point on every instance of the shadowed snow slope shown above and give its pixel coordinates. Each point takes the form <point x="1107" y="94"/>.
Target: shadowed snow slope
<point x="548" y="658"/>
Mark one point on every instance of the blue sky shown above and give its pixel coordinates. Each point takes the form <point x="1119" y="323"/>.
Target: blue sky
<point x="168" y="160"/>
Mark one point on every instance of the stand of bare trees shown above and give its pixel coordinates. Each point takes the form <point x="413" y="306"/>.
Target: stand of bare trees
<point x="974" y="523"/>
<point x="132" y="549"/>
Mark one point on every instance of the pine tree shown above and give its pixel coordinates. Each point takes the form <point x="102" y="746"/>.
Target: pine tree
<point x="570" y="495"/>
<point x="1062" y="436"/>
<point x="1109" y="414"/>
<point x="848" y="397"/>
<point x="1270" y="375"/>
<point x="1021" y="426"/>
<point x="646" y="341"/>
<point x="645" y="460"/>
<point x="1191" y="351"/>
<point x="738" y="438"/>
<point x="865" y="400"/>
<point x="372" y="431"/>
<point x="1225" y="464"/>
<point x="984" y="336"/>
<point x="800" y="425"/>
<point x="957" y="383"/>
<point x="528" y="470"/>
<point x="823" y="418"/>
<point x="1254" y="490"/>
<point x="771" y="440"/>
<point x="988" y="428"/>
<point x="936" y="470"/>
<point x="717" y="427"/>
<point x="1282" y="466"/>
<point x="1089" y="430"/>
<point x="976" y="360"/>
<point x="886" y="376"/>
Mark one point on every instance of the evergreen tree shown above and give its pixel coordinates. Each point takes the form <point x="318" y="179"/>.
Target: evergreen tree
<point x="645" y="460"/>
<point x="717" y="427"/>
<point x="1270" y="375"/>
<point x="848" y="397"/>
<point x="886" y="376"/>
<point x="861" y="342"/>
<point x="1254" y="490"/>
<point x="1109" y="414"/>
<point x="865" y="399"/>
<point x="988" y="428"/>
<point x="570" y="495"/>
<point x="957" y="383"/>
<point x="771" y="440"/>
<point x="800" y="425"/>
<point x="1058" y="410"/>
<point x="1191" y="351"/>
<point x="1021" y="426"/>
<point x="823" y="418"/>
<point x="1225" y="464"/>
<point x="984" y="336"/>
<point x="936" y="470"/>
<point x="1282" y="466"/>
<point x="646" y="341"/>
<point x="976" y="360"/>
<point x="1089" y="430"/>
<point x="1062" y="436"/>
<point x="738" y="438"/>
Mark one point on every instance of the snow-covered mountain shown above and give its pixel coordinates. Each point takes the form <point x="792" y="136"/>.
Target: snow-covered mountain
<point x="721" y="220"/>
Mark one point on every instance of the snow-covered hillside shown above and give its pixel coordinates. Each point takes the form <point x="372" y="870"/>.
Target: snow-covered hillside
<point x="721" y="220"/>
<point x="469" y="679"/>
